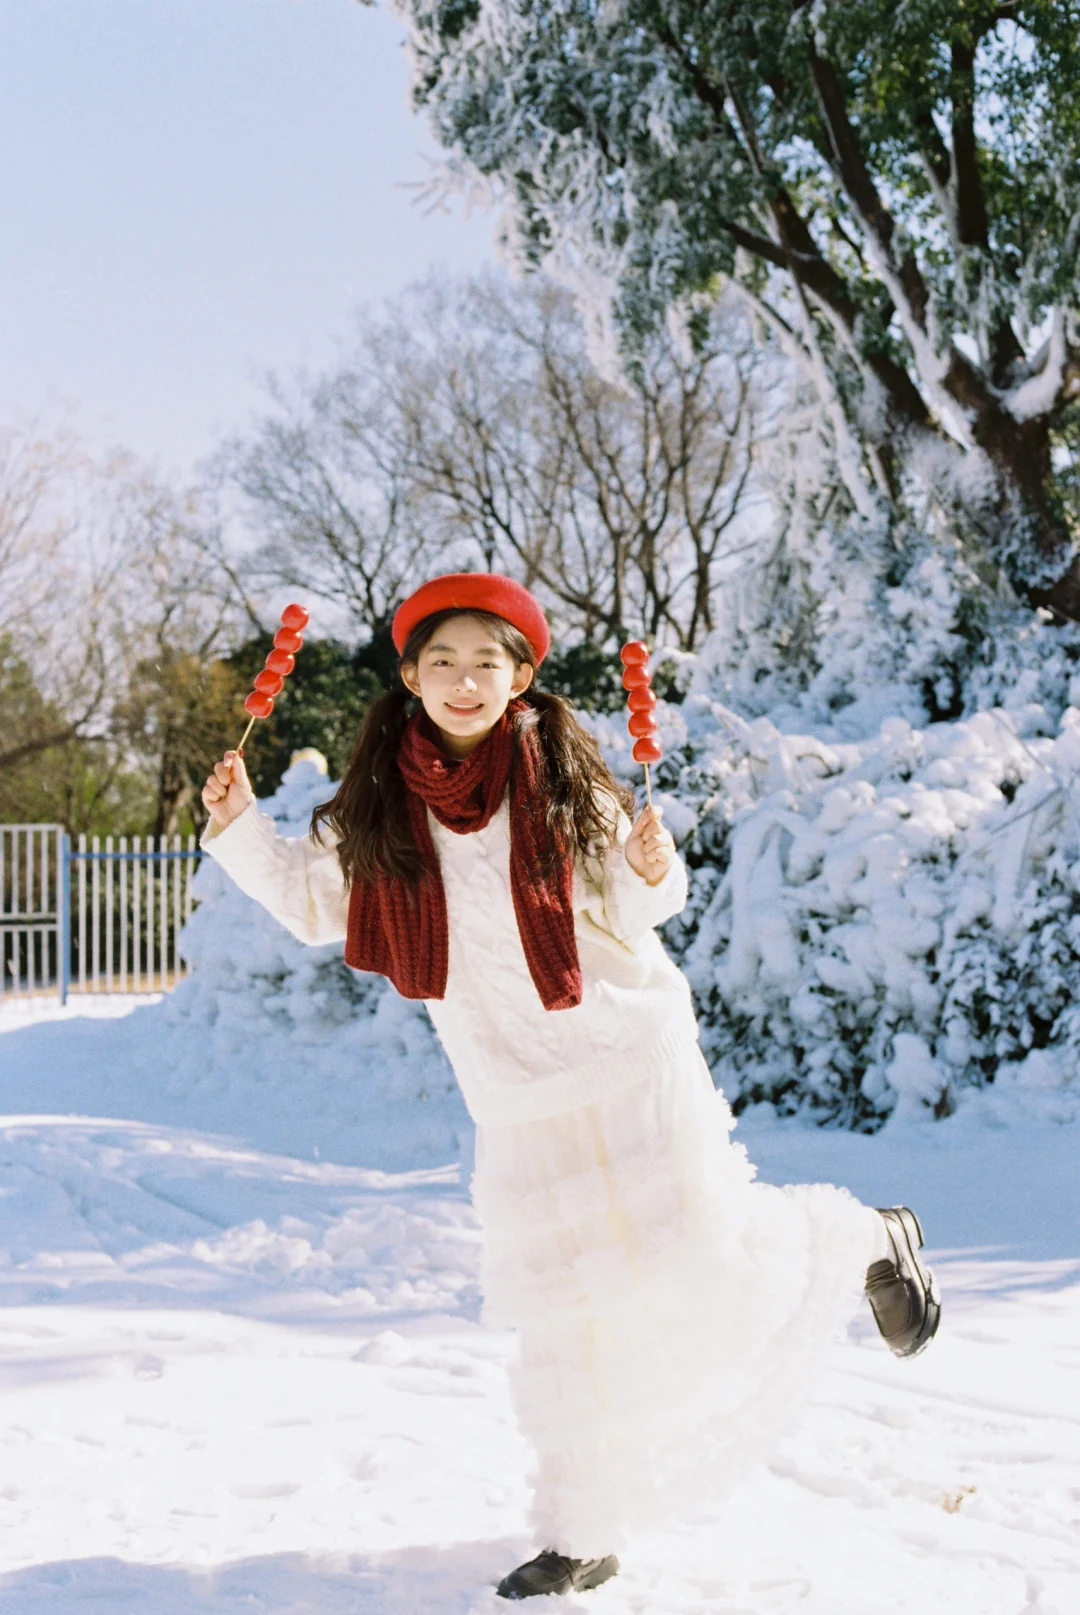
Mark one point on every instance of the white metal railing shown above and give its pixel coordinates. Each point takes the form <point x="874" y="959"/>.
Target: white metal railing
<point x="32" y="911"/>
<point x="102" y="917"/>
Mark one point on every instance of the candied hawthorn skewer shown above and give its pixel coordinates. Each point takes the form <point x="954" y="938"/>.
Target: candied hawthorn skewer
<point x="637" y="680"/>
<point x="279" y="664"/>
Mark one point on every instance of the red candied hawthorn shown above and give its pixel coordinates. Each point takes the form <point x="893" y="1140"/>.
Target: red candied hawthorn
<point x="259" y="704"/>
<point x="279" y="661"/>
<point x="635" y="654"/>
<point x="647" y="750"/>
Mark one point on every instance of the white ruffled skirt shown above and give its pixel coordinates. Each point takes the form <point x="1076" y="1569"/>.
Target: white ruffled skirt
<point x="671" y="1311"/>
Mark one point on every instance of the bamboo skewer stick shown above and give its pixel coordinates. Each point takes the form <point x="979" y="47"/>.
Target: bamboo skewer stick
<point x="247" y="731"/>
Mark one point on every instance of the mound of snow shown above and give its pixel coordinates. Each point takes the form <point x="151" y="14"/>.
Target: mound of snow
<point x="298" y="1029"/>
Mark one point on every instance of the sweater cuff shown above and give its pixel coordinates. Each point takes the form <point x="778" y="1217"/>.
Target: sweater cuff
<point x="640" y="907"/>
<point x="235" y="843"/>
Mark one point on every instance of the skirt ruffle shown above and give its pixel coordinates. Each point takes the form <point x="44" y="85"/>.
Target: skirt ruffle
<point x="672" y="1312"/>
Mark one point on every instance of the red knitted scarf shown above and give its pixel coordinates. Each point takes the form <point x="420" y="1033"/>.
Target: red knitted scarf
<point x="402" y="932"/>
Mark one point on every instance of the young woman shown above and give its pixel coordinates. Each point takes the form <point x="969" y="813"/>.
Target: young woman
<point x="671" y="1312"/>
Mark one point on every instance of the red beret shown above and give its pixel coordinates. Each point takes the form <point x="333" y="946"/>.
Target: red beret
<point x="476" y="591"/>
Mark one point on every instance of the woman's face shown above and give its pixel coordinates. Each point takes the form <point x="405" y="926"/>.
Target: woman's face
<point x="466" y="681"/>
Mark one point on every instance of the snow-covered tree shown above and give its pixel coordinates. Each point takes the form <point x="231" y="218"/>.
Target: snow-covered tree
<point x="895" y="187"/>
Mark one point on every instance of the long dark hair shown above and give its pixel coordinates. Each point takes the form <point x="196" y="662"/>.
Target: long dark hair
<point x="369" y="813"/>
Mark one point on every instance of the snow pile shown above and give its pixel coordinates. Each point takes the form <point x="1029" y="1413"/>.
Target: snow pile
<point x="237" y="1379"/>
<point x="292" y="1025"/>
<point x="878" y="924"/>
<point x="241" y="1381"/>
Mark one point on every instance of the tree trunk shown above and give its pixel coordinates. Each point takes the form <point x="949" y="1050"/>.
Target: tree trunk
<point x="1021" y="454"/>
<point x="1063" y="596"/>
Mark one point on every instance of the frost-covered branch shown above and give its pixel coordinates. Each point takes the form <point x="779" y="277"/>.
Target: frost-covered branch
<point x="911" y="171"/>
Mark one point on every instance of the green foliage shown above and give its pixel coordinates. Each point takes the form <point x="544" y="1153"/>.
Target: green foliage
<point x="587" y="674"/>
<point x="590" y="676"/>
<point x="698" y="112"/>
<point x="176" y="715"/>
<point x="50" y="775"/>
<point x="144" y="772"/>
<point x="322" y="705"/>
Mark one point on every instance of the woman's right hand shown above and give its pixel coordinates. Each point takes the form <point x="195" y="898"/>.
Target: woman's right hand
<point x="227" y="791"/>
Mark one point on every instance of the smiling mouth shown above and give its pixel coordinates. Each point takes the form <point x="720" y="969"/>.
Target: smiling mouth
<point x="475" y="707"/>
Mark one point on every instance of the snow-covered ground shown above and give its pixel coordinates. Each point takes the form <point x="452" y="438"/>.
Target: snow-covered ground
<point x="238" y="1376"/>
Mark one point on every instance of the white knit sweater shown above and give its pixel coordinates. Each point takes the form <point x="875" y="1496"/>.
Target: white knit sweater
<point x="515" y="1061"/>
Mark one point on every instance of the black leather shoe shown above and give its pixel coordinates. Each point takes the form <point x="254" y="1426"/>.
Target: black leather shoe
<point x="903" y="1294"/>
<point x="552" y="1572"/>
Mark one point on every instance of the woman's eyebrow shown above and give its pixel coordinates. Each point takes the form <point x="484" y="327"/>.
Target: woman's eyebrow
<point x="481" y="650"/>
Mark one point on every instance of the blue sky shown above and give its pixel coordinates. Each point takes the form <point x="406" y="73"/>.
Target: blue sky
<point x="193" y="192"/>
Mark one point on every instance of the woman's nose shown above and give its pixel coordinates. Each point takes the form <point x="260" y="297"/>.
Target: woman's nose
<point x="466" y="682"/>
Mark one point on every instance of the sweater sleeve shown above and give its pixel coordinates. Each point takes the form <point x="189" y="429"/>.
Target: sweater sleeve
<point x="295" y="878"/>
<point x="620" y="901"/>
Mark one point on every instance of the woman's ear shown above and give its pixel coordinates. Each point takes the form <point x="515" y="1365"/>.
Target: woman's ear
<point x="409" y="678"/>
<point x="522" y="678"/>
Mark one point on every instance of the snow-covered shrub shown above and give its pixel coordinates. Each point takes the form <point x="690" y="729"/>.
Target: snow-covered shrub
<point x="875" y="923"/>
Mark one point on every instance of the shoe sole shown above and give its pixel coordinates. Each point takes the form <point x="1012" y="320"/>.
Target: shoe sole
<point x="597" y="1577"/>
<point x="911" y="1226"/>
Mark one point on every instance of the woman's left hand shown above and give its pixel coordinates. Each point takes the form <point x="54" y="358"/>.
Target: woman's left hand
<point x="650" y="850"/>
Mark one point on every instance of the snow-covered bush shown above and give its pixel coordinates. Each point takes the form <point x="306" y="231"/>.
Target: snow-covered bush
<point x="878" y="920"/>
<point x="817" y="631"/>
